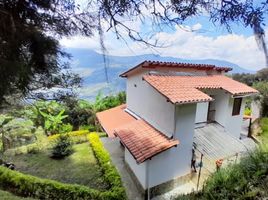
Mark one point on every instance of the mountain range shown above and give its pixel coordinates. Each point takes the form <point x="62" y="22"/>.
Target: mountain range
<point x="91" y="67"/>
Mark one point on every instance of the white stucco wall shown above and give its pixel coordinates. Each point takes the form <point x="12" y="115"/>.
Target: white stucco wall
<point x="176" y="161"/>
<point x="201" y="112"/>
<point x="234" y="123"/>
<point x="138" y="170"/>
<point x="149" y="104"/>
<point x="224" y="108"/>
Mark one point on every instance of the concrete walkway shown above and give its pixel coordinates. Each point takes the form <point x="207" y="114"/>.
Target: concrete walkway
<point x="117" y="155"/>
<point x="173" y="194"/>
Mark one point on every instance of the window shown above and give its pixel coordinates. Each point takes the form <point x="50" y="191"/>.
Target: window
<point x="237" y="106"/>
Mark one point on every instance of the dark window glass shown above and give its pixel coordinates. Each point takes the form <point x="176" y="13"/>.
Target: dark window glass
<point x="237" y="106"/>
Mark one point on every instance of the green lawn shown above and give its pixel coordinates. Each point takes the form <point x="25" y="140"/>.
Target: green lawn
<point x="81" y="167"/>
<point x="8" y="196"/>
<point x="264" y="126"/>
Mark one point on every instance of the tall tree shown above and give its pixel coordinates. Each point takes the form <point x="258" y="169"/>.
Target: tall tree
<point x="31" y="60"/>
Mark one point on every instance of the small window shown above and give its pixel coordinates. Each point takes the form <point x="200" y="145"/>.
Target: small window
<point x="237" y="106"/>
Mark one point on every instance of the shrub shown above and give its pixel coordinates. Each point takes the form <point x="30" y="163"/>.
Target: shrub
<point x="88" y="127"/>
<point x="62" y="147"/>
<point x="18" y="132"/>
<point x="71" y="134"/>
<point x="65" y="128"/>
<point x="247" y="111"/>
<point x="110" y="173"/>
<point x="245" y="180"/>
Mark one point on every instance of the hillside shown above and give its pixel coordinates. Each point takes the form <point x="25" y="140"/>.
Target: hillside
<point x="90" y="65"/>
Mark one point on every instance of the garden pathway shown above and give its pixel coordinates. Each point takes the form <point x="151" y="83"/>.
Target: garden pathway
<point x="117" y="155"/>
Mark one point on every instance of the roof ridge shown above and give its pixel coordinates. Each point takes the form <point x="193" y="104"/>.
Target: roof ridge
<point x="153" y="64"/>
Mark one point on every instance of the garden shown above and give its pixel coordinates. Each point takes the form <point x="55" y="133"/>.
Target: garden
<point x="52" y="150"/>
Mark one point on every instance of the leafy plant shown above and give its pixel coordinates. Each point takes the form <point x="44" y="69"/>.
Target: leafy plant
<point x="262" y="87"/>
<point x="247" y="111"/>
<point x="53" y="123"/>
<point x="62" y="147"/>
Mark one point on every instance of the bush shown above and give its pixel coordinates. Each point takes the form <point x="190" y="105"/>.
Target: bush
<point x="18" y="132"/>
<point x="247" y="111"/>
<point x="65" y="128"/>
<point x="110" y="173"/>
<point x="31" y="186"/>
<point x="63" y="147"/>
<point x="89" y="127"/>
<point x="71" y="134"/>
<point x="245" y="180"/>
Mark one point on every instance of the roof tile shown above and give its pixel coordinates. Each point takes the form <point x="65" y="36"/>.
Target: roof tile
<point x="114" y="118"/>
<point x="143" y="141"/>
<point x="185" y="89"/>
<point x="153" y="64"/>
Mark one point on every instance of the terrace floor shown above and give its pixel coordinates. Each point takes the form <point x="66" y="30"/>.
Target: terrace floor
<point x="215" y="143"/>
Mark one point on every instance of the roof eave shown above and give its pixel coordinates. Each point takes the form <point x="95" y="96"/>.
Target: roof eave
<point x="244" y="94"/>
<point x="124" y="74"/>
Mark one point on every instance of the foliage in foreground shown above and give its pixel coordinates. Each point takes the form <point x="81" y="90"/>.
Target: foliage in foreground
<point x="245" y="180"/>
<point x="31" y="186"/>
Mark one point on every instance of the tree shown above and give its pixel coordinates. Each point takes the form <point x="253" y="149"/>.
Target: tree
<point x="249" y="13"/>
<point x="31" y="58"/>
<point x="262" y="87"/>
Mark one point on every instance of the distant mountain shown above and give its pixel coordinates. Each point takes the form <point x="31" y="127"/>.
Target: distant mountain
<point x="90" y="65"/>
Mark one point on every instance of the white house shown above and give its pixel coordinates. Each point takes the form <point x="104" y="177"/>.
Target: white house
<point x="166" y="104"/>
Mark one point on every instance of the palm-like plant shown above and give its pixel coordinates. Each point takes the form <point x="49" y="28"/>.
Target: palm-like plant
<point x="53" y="123"/>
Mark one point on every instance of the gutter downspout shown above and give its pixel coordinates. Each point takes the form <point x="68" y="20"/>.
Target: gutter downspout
<point x="147" y="180"/>
<point x="174" y="131"/>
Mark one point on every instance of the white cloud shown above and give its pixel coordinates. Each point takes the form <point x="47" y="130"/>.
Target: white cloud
<point x="240" y="49"/>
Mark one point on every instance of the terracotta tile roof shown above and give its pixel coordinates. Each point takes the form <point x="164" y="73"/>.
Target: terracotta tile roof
<point x="143" y="141"/>
<point x="114" y="118"/>
<point x="185" y="89"/>
<point x="154" y="64"/>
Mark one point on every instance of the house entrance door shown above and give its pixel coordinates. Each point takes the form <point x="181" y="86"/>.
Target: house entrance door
<point x="211" y="111"/>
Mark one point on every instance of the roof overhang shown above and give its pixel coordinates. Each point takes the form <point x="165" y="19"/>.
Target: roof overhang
<point x="155" y="64"/>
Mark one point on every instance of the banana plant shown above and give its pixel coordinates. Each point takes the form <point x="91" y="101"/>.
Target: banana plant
<point x="53" y="123"/>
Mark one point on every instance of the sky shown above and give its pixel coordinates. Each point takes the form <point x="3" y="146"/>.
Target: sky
<point x="197" y="39"/>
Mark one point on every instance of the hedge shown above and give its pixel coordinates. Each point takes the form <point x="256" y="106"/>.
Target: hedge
<point x="31" y="186"/>
<point x="71" y="134"/>
<point x="110" y="173"/>
<point x="77" y="133"/>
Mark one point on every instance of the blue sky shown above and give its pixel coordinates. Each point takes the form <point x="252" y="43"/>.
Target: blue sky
<point x="207" y="41"/>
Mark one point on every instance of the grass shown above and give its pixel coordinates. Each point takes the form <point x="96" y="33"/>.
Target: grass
<point x="8" y="196"/>
<point x="79" y="168"/>
<point x="264" y="127"/>
<point x="245" y="180"/>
